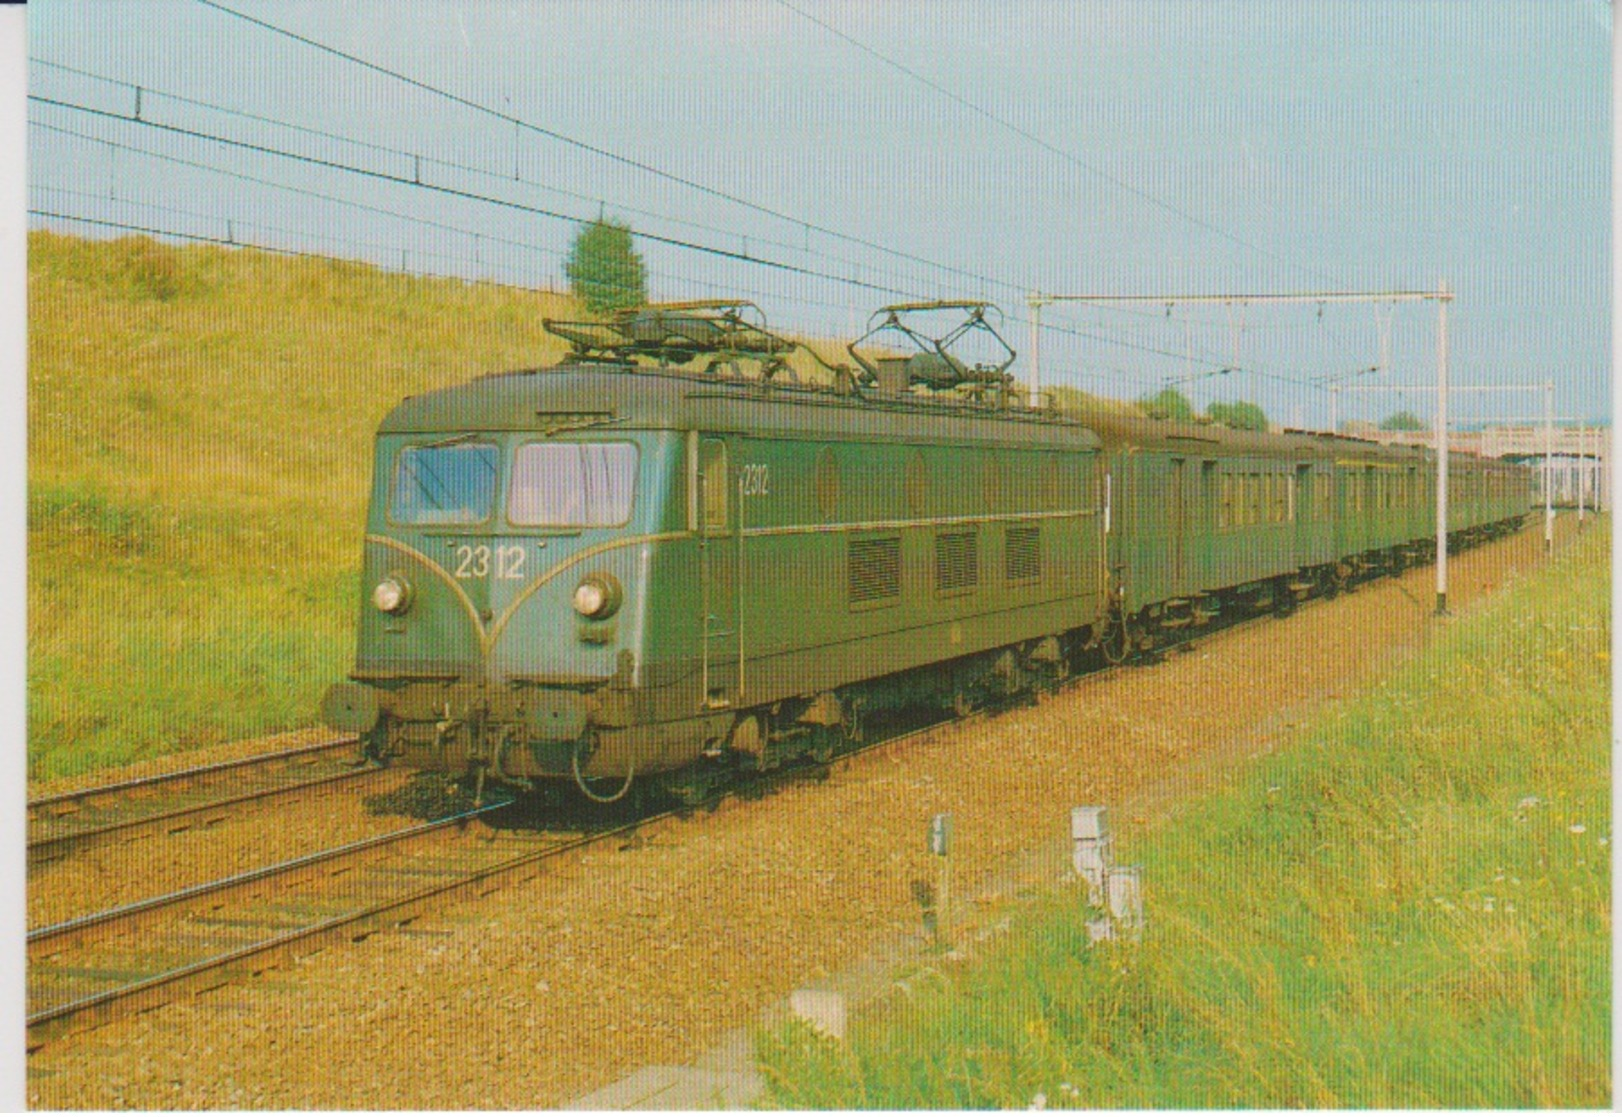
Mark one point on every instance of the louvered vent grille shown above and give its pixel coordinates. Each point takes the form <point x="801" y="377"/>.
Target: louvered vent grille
<point x="875" y="569"/>
<point x="957" y="560"/>
<point x="1023" y="554"/>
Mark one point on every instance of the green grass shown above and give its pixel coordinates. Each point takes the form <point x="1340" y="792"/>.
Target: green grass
<point x="1410" y="908"/>
<point x="200" y="424"/>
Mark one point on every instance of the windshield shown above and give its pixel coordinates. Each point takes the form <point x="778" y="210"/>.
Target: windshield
<point x="452" y="484"/>
<point x="573" y="484"/>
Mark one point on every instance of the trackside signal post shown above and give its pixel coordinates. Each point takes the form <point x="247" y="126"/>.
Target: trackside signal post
<point x="1441" y="296"/>
<point x="940" y="844"/>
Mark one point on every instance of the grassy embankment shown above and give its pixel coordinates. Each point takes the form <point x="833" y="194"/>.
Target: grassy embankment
<point x="1408" y="908"/>
<point x="199" y="427"/>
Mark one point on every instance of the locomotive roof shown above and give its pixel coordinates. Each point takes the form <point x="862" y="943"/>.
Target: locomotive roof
<point x="617" y="397"/>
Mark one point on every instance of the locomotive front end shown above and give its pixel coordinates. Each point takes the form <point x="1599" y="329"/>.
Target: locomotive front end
<point x="507" y="564"/>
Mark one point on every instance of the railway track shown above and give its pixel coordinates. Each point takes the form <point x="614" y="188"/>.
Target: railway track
<point x="108" y="964"/>
<point x="186" y="800"/>
<point x="111" y="963"/>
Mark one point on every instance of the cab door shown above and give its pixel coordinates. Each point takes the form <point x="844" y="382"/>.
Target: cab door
<point x="719" y="540"/>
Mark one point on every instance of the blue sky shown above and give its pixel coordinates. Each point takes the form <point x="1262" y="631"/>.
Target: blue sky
<point x="1168" y="147"/>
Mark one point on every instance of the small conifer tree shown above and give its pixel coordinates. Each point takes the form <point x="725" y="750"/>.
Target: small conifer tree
<point x="605" y="272"/>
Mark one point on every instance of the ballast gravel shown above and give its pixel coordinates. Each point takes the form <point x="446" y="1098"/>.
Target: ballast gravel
<point x="649" y="951"/>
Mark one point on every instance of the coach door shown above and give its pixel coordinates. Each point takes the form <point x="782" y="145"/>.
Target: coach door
<point x="719" y="540"/>
<point x="1299" y="511"/>
<point x="1178" y="515"/>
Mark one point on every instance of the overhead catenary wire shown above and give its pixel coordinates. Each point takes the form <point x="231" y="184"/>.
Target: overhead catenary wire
<point x="235" y="223"/>
<point x="281" y="250"/>
<point x="469" y="195"/>
<point x="486" y="237"/>
<point x="1210" y="357"/>
<point x="416" y="181"/>
<point x="1032" y="137"/>
<point x="418" y="160"/>
<point x="404" y="253"/>
<point x="624" y="160"/>
<point x="224" y="242"/>
<point x="333" y="164"/>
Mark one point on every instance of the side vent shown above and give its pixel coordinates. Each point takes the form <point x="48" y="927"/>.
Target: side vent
<point x="1023" y="554"/>
<point x="957" y="560"/>
<point x="875" y="569"/>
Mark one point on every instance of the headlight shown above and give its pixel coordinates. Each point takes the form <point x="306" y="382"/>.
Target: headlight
<point x="597" y="596"/>
<point x="392" y="595"/>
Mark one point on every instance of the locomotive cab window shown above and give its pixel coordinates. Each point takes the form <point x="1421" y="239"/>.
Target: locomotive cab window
<point x="573" y="484"/>
<point x="446" y="483"/>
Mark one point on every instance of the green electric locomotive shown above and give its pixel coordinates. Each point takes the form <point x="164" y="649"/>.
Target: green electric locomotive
<point x="642" y="567"/>
<point x="617" y="569"/>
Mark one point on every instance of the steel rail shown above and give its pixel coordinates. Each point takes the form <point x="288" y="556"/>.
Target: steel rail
<point x="49" y="848"/>
<point x="41" y="935"/>
<point x="161" y="778"/>
<point x="138" y="992"/>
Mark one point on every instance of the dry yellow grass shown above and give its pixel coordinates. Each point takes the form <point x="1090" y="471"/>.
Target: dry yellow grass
<point x="199" y="430"/>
